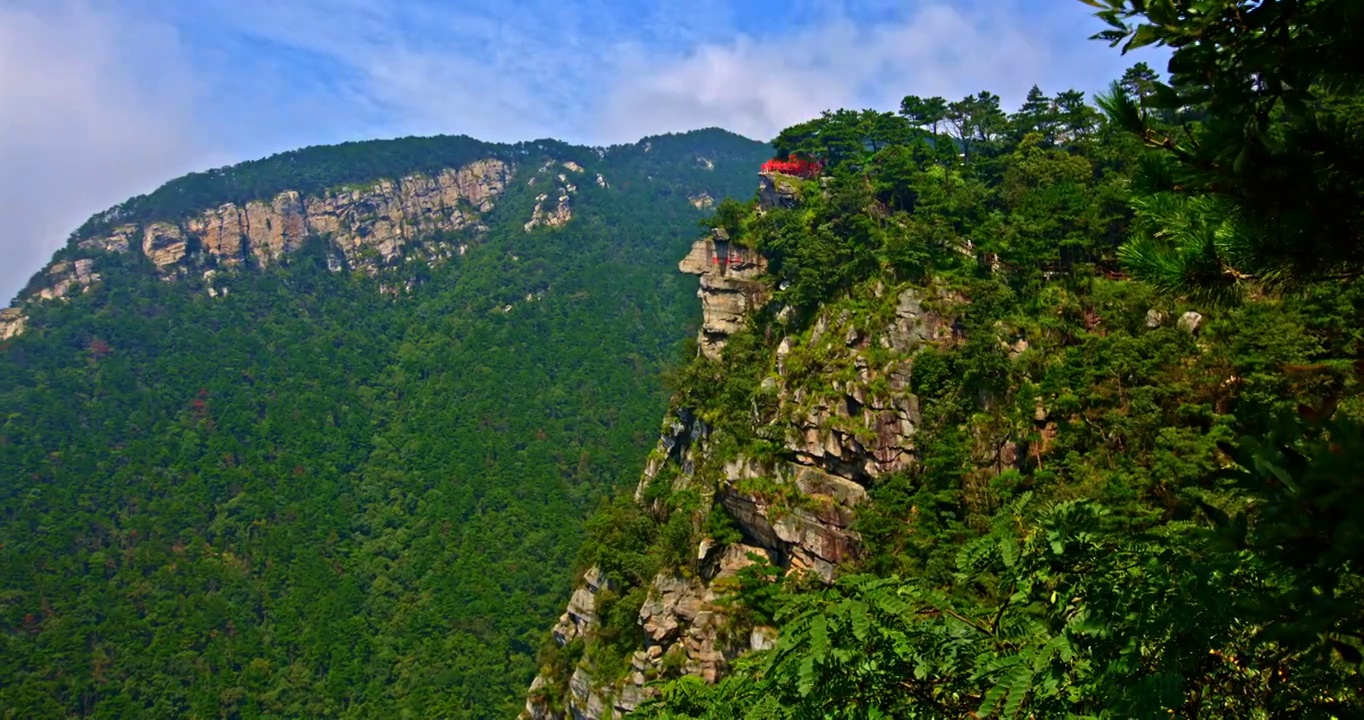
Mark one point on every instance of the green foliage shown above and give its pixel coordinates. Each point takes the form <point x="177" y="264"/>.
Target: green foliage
<point x="729" y="216"/>
<point x="1267" y="134"/>
<point x="310" y="499"/>
<point x="1082" y="623"/>
<point x="1041" y="193"/>
<point x="1111" y="513"/>
<point x="721" y="528"/>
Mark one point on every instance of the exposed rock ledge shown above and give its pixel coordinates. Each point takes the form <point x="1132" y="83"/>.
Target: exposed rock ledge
<point x="552" y="216"/>
<point x="730" y="288"/>
<point x="777" y="191"/>
<point x="12" y="323"/>
<point x="794" y="508"/>
<point x="684" y="620"/>
<point x="383" y="217"/>
<point x="368" y="225"/>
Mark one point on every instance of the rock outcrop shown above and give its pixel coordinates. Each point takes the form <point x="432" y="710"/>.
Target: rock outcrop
<point x="164" y="244"/>
<point x="793" y="506"/>
<point x="555" y="208"/>
<point x="379" y="218"/>
<point x="121" y="240"/>
<point x="1191" y="322"/>
<point x="685" y="620"/>
<point x="813" y="536"/>
<point x="369" y="226"/>
<point x="581" y="614"/>
<point x="730" y="288"/>
<point x="61" y="278"/>
<point x="794" y="515"/>
<point x="777" y="191"/>
<point x="551" y="214"/>
<point x="11" y="323"/>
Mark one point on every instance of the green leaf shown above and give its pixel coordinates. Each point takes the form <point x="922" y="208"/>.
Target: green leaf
<point x="1145" y="35"/>
<point x="819" y="637"/>
<point x="1162" y="97"/>
<point x="991" y="700"/>
<point x="861" y="621"/>
<point x="1349" y="653"/>
<point x="1008" y="549"/>
<point x="1218" y="517"/>
<point x="1020" y="684"/>
<point x="1239" y="165"/>
<point x="806" y="673"/>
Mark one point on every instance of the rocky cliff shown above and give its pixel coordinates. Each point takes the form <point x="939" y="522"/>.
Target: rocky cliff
<point x="367" y="227"/>
<point x="12" y="322"/>
<point x="362" y="222"/>
<point x="836" y="412"/>
<point x="730" y="287"/>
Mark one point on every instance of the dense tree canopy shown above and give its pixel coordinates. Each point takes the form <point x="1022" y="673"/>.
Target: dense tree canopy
<point x="1181" y="535"/>
<point x="310" y="498"/>
<point x="303" y="501"/>
<point x="1260" y="136"/>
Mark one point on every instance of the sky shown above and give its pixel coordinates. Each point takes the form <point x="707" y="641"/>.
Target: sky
<point x="104" y="99"/>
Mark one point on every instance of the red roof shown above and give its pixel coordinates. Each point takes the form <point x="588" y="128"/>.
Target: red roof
<point x="799" y="167"/>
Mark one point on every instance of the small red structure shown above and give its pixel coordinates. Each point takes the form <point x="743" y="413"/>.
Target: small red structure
<point x="726" y="256"/>
<point x="800" y="167"/>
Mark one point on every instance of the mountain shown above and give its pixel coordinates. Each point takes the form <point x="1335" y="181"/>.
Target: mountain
<point x="1056" y="413"/>
<point x="938" y="455"/>
<point x="315" y="435"/>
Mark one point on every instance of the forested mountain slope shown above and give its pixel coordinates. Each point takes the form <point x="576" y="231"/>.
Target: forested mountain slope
<point x="313" y="436"/>
<point x="1044" y="414"/>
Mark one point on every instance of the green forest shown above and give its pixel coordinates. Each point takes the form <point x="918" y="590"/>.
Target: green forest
<point x="311" y="498"/>
<point x="1137" y="476"/>
<point x="1139" y="472"/>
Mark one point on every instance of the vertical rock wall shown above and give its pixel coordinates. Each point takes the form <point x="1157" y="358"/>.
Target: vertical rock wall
<point x="730" y="287"/>
<point x="794" y="508"/>
<point x="369" y="225"/>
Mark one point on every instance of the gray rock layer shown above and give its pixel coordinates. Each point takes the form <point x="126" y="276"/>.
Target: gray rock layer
<point x="368" y="225"/>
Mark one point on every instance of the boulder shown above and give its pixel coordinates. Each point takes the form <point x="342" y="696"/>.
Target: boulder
<point x="1191" y="322"/>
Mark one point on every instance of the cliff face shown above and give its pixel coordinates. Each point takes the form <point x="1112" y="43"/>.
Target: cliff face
<point x="730" y="288"/>
<point x="12" y="323"/>
<point x="381" y="218"/>
<point x="836" y="401"/>
<point x="777" y="190"/>
<point x="367" y="226"/>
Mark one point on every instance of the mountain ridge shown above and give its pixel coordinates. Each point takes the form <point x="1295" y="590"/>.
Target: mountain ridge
<point x="372" y="212"/>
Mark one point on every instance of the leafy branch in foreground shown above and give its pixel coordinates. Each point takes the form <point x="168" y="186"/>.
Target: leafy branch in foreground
<point x="1262" y="110"/>
<point x="1086" y="623"/>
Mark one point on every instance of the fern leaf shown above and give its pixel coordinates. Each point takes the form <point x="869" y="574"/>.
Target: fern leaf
<point x="1020" y="684"/>
<point x="806" y="674"/>
<point x="991" y="700"/>
<point x="819" y="637"/>
<point x="861" y="620"/>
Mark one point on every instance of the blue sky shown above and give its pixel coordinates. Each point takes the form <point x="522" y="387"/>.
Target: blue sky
<point x="103" y="99"/>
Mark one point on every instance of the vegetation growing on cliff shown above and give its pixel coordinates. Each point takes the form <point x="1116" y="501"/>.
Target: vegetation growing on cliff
<point x="314" y="170"/>
<point x="310" y="498"/>
<point x="1173" y="529"/>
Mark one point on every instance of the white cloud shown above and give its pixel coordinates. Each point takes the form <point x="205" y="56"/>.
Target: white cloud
<point x="93" y="106"/>
<point x="496" y="70"/>
<point x="758" y="86"/>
